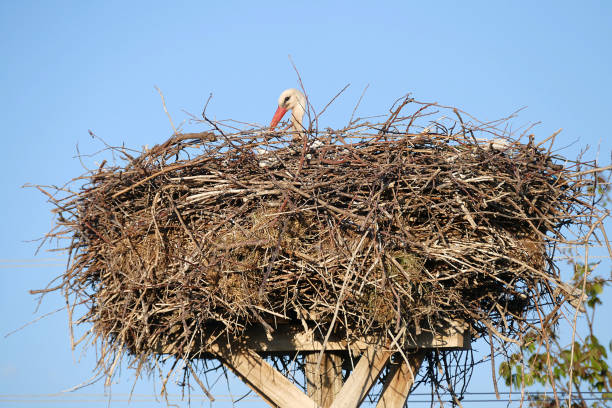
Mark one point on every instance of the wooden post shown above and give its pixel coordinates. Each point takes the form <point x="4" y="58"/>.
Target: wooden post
<point x="262" y="378"/>
<point x="400" y="380"/>
<point x="325" y="381"/>
<point x="362" y="378"/>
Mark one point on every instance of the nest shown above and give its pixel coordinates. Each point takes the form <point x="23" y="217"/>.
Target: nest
<point x="369" y="229"/>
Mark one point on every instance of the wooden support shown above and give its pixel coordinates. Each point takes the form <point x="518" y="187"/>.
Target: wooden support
<point x="323" y="381"/>
<point x="244" y="357"/>
<point x="289" y="338"/>
<point x="364" y="375"/>
<point x="400" y="380"/>
<point x="262" y="378"/>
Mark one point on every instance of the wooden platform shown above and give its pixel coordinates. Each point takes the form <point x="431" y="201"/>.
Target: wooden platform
<point x="323" y="371"/>
<point x="291" y="337"/>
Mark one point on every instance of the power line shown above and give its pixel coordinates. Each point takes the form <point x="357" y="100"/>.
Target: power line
<point x="48" y="262"/>
<point x="146" y="395"/>
<point x="31" y="266"/>
<point x="124" y="397"/>
<point x="24" y="260"/>
<point x="204" y="399"/>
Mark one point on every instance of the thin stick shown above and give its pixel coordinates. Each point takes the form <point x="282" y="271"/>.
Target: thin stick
<point x="166" y="109"/>
<point x="332" y="101"/>
<point x="596" y="170"/>
<point x="200" y="383"/>
<point x="358" y="103"/>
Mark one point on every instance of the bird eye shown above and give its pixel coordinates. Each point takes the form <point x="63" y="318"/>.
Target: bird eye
<point x="287" y="99"/>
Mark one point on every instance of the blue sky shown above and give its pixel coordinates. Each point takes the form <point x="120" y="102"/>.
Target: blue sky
<point x="72" y="66"/>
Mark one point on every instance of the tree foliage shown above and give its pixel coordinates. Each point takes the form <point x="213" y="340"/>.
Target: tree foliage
<point x="582" y="371"/>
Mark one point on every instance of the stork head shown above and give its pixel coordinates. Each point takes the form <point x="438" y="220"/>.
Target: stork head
<point x="294" y="101"/>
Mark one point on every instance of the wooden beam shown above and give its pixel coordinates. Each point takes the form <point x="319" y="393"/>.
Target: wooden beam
<point x="400" y="380"/>
<point x="364" y="375"/>
<point x="289" y="338"/>
<point x="323" y="381"/>
<point x="262" y="378"/>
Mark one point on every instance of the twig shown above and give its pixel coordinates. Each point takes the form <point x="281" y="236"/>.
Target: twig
<point x="166" y="109"/>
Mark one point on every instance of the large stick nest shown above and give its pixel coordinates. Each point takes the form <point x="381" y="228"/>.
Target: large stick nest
<point x="369" y="229"/>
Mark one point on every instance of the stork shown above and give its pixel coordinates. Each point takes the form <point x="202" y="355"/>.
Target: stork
<point x="291" y="100"/>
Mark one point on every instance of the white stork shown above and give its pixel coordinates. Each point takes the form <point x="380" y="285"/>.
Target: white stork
<point x="291" y="100"/>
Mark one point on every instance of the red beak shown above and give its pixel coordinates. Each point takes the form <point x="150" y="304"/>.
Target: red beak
<point x="280" y="112"/>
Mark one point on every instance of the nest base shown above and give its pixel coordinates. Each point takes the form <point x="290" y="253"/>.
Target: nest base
<point x="291" y="337"/>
